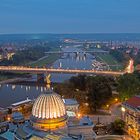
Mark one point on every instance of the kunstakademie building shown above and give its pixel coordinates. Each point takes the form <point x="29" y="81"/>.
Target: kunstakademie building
<point x="49" y="121"/>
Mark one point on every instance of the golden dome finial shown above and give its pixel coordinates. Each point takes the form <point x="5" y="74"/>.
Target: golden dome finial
<point x="48" y="81"/>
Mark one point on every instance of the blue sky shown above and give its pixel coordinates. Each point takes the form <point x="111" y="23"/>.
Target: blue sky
<point x="69" y="16"/>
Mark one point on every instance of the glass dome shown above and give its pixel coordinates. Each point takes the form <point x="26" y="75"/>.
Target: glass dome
<point x="48" y="111"/>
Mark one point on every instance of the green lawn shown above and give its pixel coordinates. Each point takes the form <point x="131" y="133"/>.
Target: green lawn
<point x="46" y="61"/>
<point x="107" y="58"/>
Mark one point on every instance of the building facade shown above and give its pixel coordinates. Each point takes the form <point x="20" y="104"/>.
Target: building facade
<point x="131" y="116"/>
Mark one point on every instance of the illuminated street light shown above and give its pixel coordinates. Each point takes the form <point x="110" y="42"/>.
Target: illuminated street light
<point x="8" y="118"/>
<point x="107" y="106"/>
<point x="79" y="115"/>
<point x="123" y="109"/>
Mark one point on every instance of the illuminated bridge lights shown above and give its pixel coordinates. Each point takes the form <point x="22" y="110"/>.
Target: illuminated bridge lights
<point x="54" y="70"/>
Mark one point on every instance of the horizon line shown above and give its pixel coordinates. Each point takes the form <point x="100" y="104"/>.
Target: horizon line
<point x="70" y="33"/>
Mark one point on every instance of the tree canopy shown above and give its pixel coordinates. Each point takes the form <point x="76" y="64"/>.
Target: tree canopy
<point x="92" y="90"/>
<point x="128" y="86"/>
<point x="98" y="91"/>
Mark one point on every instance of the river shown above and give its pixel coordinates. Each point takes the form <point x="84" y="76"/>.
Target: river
<point x="10" y="93"/>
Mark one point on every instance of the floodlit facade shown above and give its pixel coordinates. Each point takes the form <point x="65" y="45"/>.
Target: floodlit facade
<point x="131" y="115"/>
<point x="49" y="112"/>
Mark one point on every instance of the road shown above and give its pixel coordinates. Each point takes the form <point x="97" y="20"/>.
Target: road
<point x="115" y="111"/>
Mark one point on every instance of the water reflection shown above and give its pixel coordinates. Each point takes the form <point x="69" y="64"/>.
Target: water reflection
<point x="14" y="93"/>
<point x="72" y="61"/>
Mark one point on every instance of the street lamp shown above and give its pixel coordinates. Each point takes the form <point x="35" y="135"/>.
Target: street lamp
<point x="107" y="106"/>
<point x="79" y="115"/>
<point x="123" y="112"/>
<point x="8" y="118"/>
<point x="123" y="109"/>
<point x="116" y="99"/>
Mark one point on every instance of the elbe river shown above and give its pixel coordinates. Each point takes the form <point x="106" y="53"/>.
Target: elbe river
<point x="10" y="94"/>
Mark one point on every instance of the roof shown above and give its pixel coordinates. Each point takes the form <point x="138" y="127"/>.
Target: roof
<point x="21" y="133"/>
<point x="17" y="116"/>
<point x="133" y="102"/>
<point x="70" y="102"/>
<point x="7" y="136"/>
<point x="86" y="121"/>
<point x="2" y="138"/>
<point x="48" y="106"/>
<point x="3" y="124"/>
<point x="21" y="102"/>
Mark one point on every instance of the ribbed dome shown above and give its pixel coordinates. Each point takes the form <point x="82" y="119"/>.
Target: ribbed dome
<point x="48" y="106"/>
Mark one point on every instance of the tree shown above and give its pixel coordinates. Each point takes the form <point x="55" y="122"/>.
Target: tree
<point x="92" y="90"/>
<point x="98" y="92"/>
<point x="118" y="126"/>
<point x="128" y="86"/>
<point x="78" y="82"/>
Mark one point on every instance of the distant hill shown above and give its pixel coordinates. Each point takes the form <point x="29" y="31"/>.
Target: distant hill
<point x="100" y="37"/>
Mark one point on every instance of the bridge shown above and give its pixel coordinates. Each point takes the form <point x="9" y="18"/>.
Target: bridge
<point x="41" y="71"/>
<point x="76" y="52"/>
<point x="53" y="70"/>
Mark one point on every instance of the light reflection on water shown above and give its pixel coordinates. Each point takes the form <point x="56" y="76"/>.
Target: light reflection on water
<point x="14" y="93"/>
<point x="10" y="94"/>
<point x="71" y="61"/>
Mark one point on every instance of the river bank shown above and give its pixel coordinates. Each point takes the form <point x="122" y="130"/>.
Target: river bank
<point x="45" y="60"/>
<point x="32" y="88"/>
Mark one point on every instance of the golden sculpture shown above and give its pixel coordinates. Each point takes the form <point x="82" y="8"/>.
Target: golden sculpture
<point x="48" y="81"/>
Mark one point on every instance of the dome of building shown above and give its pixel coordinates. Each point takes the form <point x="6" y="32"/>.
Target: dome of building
<point x="48" y="112"/>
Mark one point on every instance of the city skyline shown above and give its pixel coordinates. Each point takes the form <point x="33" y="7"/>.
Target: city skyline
<point x="51" y="16"/>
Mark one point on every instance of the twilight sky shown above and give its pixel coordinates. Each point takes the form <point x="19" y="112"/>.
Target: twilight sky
<point x="69" y="16"/>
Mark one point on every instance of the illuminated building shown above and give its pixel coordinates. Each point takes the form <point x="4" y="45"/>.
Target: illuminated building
<point x="49" y="121"/>
<point x="49" y="112"/>
<point x="131" y="115"/>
